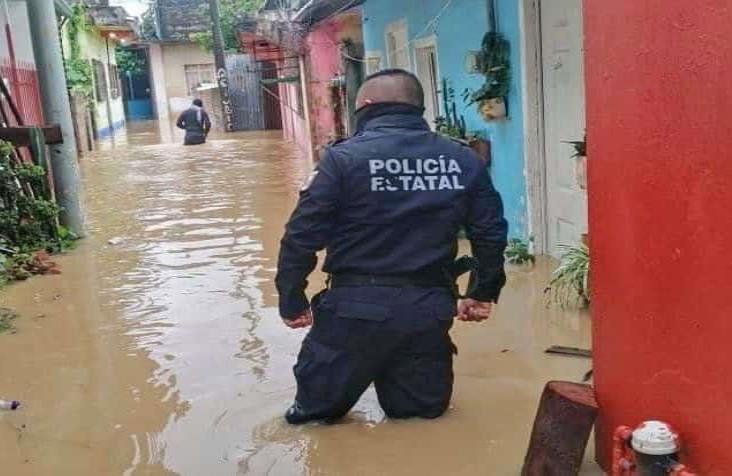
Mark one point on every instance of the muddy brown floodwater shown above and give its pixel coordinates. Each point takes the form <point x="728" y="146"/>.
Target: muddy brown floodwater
<point x="162" y="353"/>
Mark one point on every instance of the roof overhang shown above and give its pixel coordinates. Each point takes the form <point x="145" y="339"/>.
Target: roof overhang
<point x="316" y="11"/>
<point x="63" y="8"/>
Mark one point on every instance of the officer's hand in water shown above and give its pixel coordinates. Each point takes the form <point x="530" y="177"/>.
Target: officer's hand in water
<point x="305" y="319"/>
<point x="470" y="310"/>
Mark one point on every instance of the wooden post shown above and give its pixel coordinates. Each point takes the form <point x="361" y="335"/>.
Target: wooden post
<point x="562" y="428"/>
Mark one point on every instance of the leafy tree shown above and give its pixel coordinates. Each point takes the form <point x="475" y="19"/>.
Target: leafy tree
<point x="78" y="69"/>
<point x="147" y="24"/>
<point x="231" y="12"/>
<point x="129" y="61"/>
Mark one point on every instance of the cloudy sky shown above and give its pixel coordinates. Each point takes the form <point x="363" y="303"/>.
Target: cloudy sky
<point x="133" y="7"/>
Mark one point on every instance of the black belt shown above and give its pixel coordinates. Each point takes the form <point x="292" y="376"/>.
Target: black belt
<point x="466" y="264"/>
<point x="356" y="280"/>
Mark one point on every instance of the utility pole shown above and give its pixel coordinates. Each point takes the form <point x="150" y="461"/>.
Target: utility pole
<point x="57" y="110"/>
<point x="222" y="75"/>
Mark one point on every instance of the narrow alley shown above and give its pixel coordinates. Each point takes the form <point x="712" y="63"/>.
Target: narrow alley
<point x="169" y="356"/>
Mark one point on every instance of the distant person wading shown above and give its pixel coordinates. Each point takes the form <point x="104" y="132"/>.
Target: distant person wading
<point x="195" y="122"/>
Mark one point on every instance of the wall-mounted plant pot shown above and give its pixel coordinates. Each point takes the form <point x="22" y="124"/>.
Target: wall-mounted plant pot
<point x="492" y="109"/>
<point x="580" y="168"/>
<point x="483" y="148"/>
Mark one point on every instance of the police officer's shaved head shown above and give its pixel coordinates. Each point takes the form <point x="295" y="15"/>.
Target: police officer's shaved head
<point x="391" y="85"/>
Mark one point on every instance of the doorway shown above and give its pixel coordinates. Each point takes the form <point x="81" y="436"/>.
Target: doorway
<point x="554" y="102"/>
<point x="425" y="58"/>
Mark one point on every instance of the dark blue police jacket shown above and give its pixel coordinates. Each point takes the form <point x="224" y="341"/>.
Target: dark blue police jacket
<point x="390" y="201"/>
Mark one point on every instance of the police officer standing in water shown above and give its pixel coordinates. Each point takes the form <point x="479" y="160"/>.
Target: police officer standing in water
<point x="387" y="205"/>
<point x="195" y="122"/>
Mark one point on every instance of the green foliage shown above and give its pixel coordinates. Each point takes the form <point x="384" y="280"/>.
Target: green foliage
<point x="494" y="63"/>
<point x="67" y="239"/>
<point x="205" y="41"/>
<point x="230" y="12"/>
<point x="147" y="24"/>
<point x="78" y="70"/>
<point x="28" y="215"/>
<point x="518" y="252"/>
<point x="452" y="124"/>
<point x="28" y="219"/>
<point x="79" y="76"/>
<point x="130" y="61"/>
<point x="580" y="147"/>
<point x="570" y="282"/>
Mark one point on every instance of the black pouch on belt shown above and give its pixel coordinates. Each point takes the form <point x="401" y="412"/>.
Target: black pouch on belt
<point x="464" y="264"/>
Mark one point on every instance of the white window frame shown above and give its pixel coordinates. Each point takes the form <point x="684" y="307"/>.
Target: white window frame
<point x="427" y="42"/>
<point x="199" y="68"/>
<point x="394" y="29"/>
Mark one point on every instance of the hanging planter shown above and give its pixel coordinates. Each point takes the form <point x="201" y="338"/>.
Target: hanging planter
<point x="493" y="61"/>
<point x="493" y="109"/>
<point x="580" y="165"/>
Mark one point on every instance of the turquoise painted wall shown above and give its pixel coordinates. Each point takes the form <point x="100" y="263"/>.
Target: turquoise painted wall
<point x="459" y="29"/>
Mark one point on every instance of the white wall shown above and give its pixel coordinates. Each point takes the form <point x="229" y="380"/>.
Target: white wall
<point x="167" y="64"/>
<point x="20" y="33"/>
<point x="93" y="46"/>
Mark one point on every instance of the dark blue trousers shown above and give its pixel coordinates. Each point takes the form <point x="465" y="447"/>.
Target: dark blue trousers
<point x="396" y="338"/>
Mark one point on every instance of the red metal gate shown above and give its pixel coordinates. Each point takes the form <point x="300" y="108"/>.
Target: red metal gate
<point x="22" y="81"/>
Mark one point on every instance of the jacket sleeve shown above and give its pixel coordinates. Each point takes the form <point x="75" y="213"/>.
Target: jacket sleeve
<point x="181" y="122"/>
<point x="206" y="123"/>
<point x="306" y="233"/>
<point x="487" y="231"/>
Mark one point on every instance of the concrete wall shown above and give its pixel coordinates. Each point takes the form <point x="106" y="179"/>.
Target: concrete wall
<point x="211" y="97"/>
<point x="459" y="29"/>
<point x="158" y="80"/>
<point x="20" y="32"/>
<point x="167" y="68"/>
<point x="93" y="46"/>
<point x="658" y="123"/>
<point x="325" y="63"/>
<point x="294" y="126"/>
<point x="21" y="77"/>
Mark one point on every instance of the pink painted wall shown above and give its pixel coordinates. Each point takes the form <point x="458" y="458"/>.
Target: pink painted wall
<point x="294" y="128"/>
<point x="660" y="133"/>
<point x="325" y="64"/>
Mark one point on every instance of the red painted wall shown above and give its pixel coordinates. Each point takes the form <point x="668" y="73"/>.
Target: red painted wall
<point x="659" y="86"/>
<point x="22" y="80"/>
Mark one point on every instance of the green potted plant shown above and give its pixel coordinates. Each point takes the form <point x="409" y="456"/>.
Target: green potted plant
<point x="453" y="125"/>
<point x="580" y="157"/>
<point x="493" y="61"/>
<point x="570" y="281"/>
<point x="518" y="253"/>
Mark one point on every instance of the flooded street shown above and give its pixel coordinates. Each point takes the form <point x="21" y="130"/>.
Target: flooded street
<point x="159" y="349"/>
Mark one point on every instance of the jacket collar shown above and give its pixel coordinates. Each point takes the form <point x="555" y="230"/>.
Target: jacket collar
<point x="391" y="114"/>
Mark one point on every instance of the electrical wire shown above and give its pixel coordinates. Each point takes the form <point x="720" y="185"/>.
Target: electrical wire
<point x="408" y="44"/>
